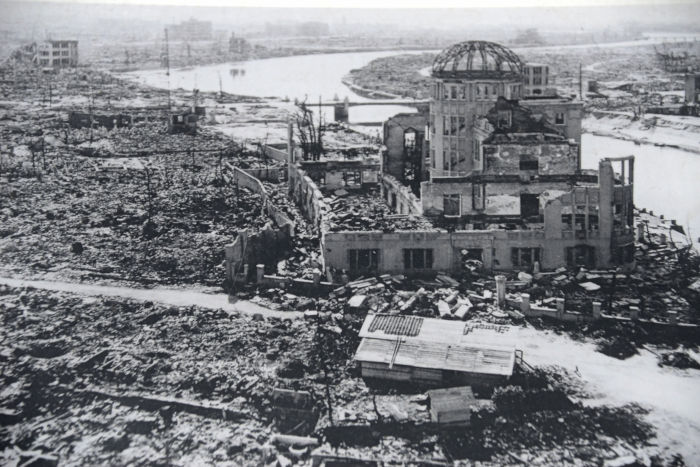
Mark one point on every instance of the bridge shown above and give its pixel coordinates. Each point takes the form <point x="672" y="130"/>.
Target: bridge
<point x="342" y="108"/>
<point x="346" y="103"/>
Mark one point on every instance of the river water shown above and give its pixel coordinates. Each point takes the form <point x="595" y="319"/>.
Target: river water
<point x="300" y="77"/>
<point x="666" y="179"/>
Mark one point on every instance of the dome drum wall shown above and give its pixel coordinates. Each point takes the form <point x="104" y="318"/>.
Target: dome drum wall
<point x="468" y="78"/>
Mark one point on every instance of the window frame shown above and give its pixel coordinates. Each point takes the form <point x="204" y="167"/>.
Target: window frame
<point x="451" y="198"/>
<point x="369" y="256"/>
<point x="423" y="256"/>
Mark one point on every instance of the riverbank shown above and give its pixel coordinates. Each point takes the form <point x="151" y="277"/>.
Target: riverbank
<point x="658" y="130"/>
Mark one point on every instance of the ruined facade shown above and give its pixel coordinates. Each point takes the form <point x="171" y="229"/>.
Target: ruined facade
<point x="406" y="148"/>
<point x="51" y="53"/>
<point x="501" y="182"/>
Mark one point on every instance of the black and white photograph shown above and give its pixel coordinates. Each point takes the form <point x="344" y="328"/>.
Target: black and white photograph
<point x="350" y="233"/>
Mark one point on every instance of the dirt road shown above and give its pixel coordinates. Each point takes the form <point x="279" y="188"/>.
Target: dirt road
<point x="174" y="297"/>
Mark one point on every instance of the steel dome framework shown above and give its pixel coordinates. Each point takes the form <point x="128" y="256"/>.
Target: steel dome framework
<point x="477" y="59"/>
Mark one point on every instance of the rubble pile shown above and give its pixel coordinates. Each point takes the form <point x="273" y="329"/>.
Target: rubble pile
<point x="366" y="210"/>
<point x="538" y="420"/>
<point x="164" y="223"/>
<point x="154" y="208"/>
<point x="103" y="380"/>
<point x="106" y="381"/>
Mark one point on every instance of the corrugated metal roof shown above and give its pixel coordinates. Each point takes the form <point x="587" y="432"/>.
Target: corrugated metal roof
<point x="437" y="355"/>
<point x="396" y="325"/>
<point x="381" y="326"/>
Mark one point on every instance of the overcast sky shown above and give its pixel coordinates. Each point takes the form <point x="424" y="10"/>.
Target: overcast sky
<point x="382" y="3"/>
<point x="474" y="16"/>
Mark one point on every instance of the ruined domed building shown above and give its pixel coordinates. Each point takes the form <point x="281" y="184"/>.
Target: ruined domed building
<point x="490" y="172"/>
<point x="502" y="170"/>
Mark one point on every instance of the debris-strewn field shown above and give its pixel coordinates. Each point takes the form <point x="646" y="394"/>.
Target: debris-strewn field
<point x="134" y="203"/>
<point x="93" y="380"/>
<point x="159" y="219"/>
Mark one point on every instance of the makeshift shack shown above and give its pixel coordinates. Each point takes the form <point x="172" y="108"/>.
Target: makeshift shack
<point x="435" y="352"/>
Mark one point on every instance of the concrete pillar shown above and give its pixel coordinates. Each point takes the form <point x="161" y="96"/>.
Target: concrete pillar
<point x="246" y="270"/>
<point x="525" y="303"/>
<point x="260" y="273"/>
<point x="501" y="290"/>
<point x="596" y="310"/>
<point x="536" y="267"/>
<point x="560" y="307"/>
<point x="317" y="276"/>
<point x="634" y="312"/>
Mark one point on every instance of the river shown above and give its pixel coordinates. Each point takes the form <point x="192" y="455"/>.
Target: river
<point x="300" y="77"/>
<point x="666" y="179"/>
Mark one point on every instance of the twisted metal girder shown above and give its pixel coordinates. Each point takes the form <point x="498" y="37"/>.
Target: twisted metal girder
<point x="495" y="60"/>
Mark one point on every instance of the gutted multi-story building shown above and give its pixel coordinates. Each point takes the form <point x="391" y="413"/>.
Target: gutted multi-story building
<point x="56" y="54"/>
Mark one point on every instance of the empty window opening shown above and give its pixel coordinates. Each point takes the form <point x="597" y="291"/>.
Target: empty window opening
<point x="451" y="204"/>
<point x="462" y="126"/>
<point x="566" y="222"/>
<point x="524" y="257"/>
<point x="363" y="260"/>
<point x="478" y="196"/>
<point x="580" y="255"/>
<point x="593" y="222"/>
<point x="528" y="162"/>
<point x="559" y="118"/>
<point x="472" y="254"/>
<point x="529" y="205"/>
<point x="418" y="258"/>
<point x="409" y="140"/>
<point x="352" y="178"/>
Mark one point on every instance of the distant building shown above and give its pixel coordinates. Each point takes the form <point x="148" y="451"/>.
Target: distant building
<point x="536" y="80"/>
<point x="238" y="45"/>
<point x="109" y="121"/>
<point x="191" y="30"/>
<point x="56" y="54"/>
<point x="692" y="88"/>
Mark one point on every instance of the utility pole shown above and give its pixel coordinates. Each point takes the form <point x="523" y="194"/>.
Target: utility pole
<point x="167" y="65"/>
<point x="90" y="104"/>
<point x="580" y="81"/>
